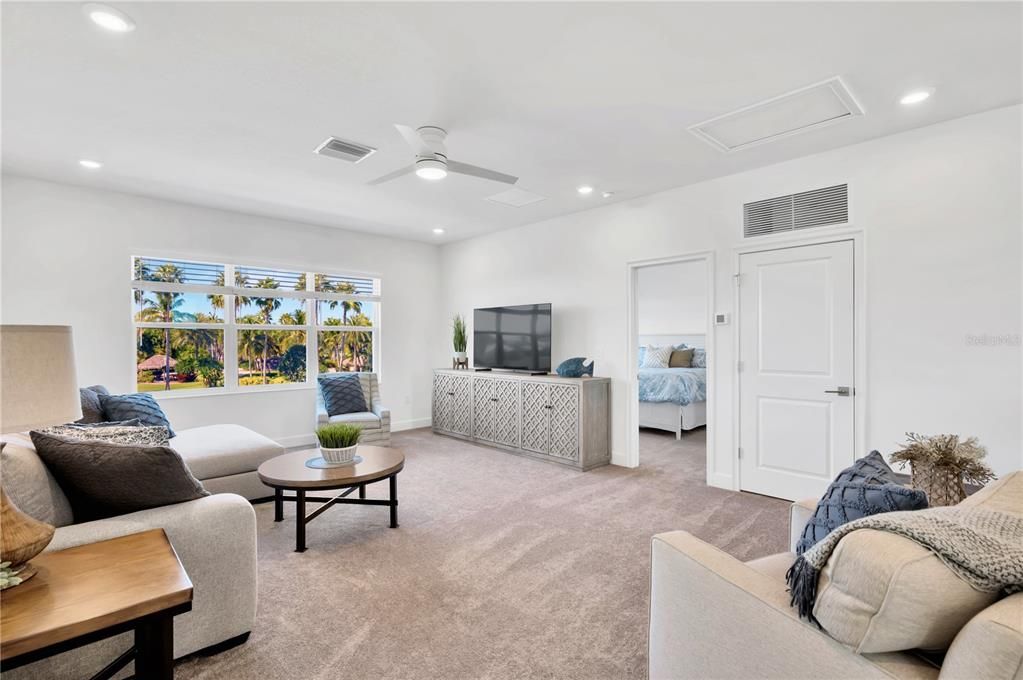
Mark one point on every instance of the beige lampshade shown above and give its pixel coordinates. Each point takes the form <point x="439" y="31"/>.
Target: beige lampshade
<point x="38" y="383"/>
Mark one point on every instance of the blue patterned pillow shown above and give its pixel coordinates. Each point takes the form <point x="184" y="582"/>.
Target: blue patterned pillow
<point x="868" y="487"/>
<point x="134" y="406"/>
<point x="699" y="358"/>
<point x="642" y="355"/>
<point x="342" y="393"/>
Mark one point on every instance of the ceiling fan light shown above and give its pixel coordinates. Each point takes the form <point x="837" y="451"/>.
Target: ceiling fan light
<point x="431" y="168"/>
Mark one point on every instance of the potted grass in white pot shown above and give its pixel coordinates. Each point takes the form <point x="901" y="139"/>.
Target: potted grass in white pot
<point x="338" y="442"/>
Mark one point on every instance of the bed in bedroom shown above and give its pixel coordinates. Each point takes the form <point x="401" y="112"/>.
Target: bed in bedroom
<point x="673" y="398"/>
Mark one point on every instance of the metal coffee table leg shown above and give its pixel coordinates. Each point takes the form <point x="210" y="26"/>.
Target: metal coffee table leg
<point x="300" y="520"/>
<point x="393" y="483"/>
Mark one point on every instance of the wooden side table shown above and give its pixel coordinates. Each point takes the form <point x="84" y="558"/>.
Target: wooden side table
<point x="95" y="591"/>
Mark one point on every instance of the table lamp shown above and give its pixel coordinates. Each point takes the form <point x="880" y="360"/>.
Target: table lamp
<point x="38" y="387"/>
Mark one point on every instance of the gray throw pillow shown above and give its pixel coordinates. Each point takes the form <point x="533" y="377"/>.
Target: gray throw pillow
<point x="867" y="487"/>
<point x="104" y="480"/>
<point x="92" y="410"/>
<point x="342" y="393"/>
<point x="130" y="406"/>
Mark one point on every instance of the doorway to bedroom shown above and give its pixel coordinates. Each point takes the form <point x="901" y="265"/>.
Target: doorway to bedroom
<point x="672" y="306"/>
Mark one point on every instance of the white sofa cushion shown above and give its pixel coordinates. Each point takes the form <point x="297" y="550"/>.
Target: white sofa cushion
<point x="222" y="450"/>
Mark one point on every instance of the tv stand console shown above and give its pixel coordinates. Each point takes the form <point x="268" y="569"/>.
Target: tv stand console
<point x="547" y="417"/>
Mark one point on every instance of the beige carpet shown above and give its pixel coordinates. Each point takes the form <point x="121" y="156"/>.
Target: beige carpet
<point x="503" y="567"/>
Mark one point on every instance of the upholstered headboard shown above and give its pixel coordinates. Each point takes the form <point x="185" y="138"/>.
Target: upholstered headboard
<point x="691" y="339"/>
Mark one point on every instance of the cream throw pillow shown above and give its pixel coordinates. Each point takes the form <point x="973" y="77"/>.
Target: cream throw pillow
<point x="657" y="357"/>
<point x="881" y="592"/>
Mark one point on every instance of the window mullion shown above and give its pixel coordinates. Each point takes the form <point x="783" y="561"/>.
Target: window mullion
<point x="312" y="351"/>
<point x="230" y="334"/>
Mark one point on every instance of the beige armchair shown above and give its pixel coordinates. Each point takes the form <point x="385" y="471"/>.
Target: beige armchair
<point x="375" y="423"/>
<point x="715" y="617"/>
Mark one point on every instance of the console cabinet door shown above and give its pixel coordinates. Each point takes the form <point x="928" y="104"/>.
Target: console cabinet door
<point x="441" y="401"/>
<point x="564" y="421"/>
<point x="452" y="403"/>
<point x="506" y="412"/>
<point x="483" y="411"/>
<point x="460" y="415"/>
<point x="536" y="422"/>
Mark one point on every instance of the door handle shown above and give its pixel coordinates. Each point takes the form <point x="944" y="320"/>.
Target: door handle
<point x="842" y="391"/>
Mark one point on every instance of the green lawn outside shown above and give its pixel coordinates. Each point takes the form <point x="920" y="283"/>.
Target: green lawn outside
<point x="159" y="387"/>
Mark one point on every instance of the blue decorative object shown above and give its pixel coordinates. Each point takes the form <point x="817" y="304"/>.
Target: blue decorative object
<point x="342" y="393"/>
<point x="142" y="407"/>
<point x="576" y="367"/>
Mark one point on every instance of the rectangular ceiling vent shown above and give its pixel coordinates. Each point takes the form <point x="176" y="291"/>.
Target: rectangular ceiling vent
<point x="802" y="110"/>
<point x="817" y="208"/>
<point x="345" y="150"/>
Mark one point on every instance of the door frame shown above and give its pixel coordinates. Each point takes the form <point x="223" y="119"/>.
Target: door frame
<point x="708" y="257"/>
<point x="860" y="389"/>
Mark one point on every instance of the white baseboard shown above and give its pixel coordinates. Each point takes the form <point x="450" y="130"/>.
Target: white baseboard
<point x="297" y="440"/>
<point x="415" y="423"/>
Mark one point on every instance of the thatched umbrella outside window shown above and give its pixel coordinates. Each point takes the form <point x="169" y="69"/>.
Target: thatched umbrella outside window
<point x="156" y="363"/>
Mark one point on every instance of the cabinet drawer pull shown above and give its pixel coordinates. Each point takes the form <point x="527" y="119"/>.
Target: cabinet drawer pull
<point x="451" y="394"/>
<point x="548" y="406"/>
<point x="493" y="399"/>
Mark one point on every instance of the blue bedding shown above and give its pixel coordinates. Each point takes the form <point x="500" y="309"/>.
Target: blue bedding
<point x="681" y="386"/>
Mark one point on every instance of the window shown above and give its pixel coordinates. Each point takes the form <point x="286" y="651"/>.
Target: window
<point x="271" y="327"/>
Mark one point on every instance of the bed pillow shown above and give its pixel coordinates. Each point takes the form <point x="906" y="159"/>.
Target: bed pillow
<point x="656" y="357"/>
<point x="699" y="358"/>
<point x="132" y="406"/>
<point x="680" y="358"/>
<point x="103" y="480"/>
<point x="642" y="355"/>
<point x="867" y="487"/>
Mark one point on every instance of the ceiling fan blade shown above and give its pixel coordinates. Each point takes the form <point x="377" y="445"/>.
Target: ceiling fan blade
<point x="392" y="175"/>
<point x="483" y="173"/>
<point x="412" y="138"/>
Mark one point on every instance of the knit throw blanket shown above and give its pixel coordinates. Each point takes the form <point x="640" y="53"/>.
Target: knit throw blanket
<point x="982" y="547"/>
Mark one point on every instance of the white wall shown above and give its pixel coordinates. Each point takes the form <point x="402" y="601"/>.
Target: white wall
<point x="66" y="260"/>
<point x="940" y="209"/>
<point x="671" y="299"/>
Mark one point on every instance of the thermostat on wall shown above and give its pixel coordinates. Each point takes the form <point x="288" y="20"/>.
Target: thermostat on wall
<point x="720" y="319"/>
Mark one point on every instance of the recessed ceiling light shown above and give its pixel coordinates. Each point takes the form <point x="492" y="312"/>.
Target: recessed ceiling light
<point x="607" y="194"/>
<point x="109" y="18"/>
<point x="92" y="165"/>
<point x="916" y="96"/>
<point x="584" y="189"/>
<point x="438" y="231"/>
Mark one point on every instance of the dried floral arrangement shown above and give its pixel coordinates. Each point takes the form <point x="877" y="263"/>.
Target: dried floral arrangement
<point x="962" y="456"/>
<point x="942" y="463"/>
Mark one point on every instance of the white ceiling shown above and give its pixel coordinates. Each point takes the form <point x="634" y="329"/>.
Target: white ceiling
<point x="221" y="104"/>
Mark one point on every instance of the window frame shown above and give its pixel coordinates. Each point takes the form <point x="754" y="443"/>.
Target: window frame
<point x="231" y="327"/>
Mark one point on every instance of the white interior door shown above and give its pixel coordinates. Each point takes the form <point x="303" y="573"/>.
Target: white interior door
<point x="796" y="348"/>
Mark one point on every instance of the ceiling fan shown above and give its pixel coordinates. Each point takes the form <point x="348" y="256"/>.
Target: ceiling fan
<point x="432" y="162"/>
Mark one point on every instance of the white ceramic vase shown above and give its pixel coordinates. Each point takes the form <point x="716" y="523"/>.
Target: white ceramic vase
<point x="339" y="456"/>
<point x="461" y="356"/>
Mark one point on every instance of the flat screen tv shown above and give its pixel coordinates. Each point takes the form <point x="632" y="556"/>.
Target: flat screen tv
<point x="513" y="338"/>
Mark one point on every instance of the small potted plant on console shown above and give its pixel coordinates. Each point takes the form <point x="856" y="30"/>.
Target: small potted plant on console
<point x="338" y="442"/>
<point x="460" y="342"/>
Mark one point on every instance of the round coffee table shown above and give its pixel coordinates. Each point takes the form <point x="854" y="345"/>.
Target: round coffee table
<point x="290" y="473"/>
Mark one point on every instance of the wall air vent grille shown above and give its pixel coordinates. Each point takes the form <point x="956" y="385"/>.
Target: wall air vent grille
<point x="345" y="150"/>
<point x="818" y="208"/>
